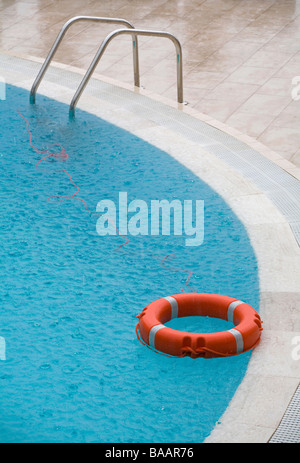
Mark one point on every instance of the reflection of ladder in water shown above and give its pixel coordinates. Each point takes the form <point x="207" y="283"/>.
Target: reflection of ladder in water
<point x="133" y="32"/>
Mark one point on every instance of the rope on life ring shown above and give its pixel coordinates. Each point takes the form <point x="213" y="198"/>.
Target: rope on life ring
<point x="245" y="336"/>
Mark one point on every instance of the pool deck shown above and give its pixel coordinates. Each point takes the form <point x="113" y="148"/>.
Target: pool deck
<point x="240" y="57"/>
<point x="262" y="190"/>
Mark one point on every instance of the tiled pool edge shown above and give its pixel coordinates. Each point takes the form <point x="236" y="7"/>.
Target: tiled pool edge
<point x="240" y="194"/>
<point x="275" y="157"/>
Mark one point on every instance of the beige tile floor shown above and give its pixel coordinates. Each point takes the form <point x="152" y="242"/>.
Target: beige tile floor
<point x="240" y="56"/>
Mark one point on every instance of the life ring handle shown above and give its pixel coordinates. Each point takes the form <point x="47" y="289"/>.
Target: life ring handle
<point x="189" y="349"/>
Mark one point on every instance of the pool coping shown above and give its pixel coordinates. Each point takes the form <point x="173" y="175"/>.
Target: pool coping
<point x="270" y="154"/>
<point x="250" y="417"/>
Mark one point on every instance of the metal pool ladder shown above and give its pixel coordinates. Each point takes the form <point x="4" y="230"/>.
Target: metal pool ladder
<point x="60" y="37"/>
<point x="131" y="31"/>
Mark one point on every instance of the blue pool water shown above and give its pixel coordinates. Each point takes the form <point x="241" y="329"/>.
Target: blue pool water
<point x="74" y="369"/>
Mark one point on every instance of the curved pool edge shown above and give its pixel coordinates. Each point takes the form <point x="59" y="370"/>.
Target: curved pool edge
<point x="273" y="374"/>
<point x="265" y="151"/>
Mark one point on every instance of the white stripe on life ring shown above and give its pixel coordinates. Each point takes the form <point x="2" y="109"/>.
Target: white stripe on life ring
<point x="231" y="308"/>
<point x="239" y="340"/>
<point x="174" y="306"/>
<point x="152" y="334"/>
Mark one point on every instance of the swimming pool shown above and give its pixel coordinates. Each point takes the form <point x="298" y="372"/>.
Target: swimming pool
<point x="74" y="369"/>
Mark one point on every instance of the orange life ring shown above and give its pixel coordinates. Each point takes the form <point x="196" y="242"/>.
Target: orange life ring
<point x="243" y="337"/>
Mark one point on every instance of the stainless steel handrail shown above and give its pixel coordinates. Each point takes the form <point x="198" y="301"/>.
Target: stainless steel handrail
<point x="61" y="35"/>
<point x="103" y="47"/>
